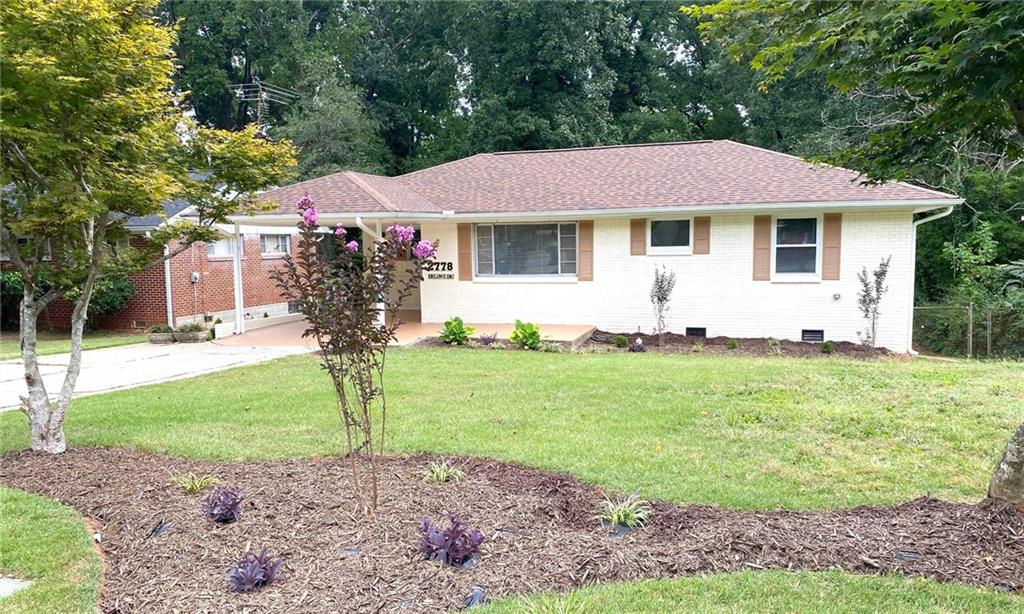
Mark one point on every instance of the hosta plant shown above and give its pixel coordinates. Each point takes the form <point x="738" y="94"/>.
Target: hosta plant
<point x="192" y="483"/>
<point x="631" y="512"/>
<point x="223" y="505"/>
<point x="454" y="545"/>
<point x="456" y="332"/>
<point x="526" y="335"/>
<point x="254" y="571"/>
<point x="442" y="472"/>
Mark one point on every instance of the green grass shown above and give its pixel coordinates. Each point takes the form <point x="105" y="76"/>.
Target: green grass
<point x="769" y="591"/>
<point x="46" y="542"/>
<point x="58" y="343"/>
<point x="750" y="433"/>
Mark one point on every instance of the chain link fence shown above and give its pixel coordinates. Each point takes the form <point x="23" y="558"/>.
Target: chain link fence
<point x="967" y="330"/>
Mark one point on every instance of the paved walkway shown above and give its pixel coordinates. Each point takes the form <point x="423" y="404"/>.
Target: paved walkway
<point x="129" y="366"/>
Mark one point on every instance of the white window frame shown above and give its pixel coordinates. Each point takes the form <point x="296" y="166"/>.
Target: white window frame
<point x="560" y="276"/>
<point x="47" y="256"/>
<point x="798" y="277"/>
<point x="287" y="245"/>
<point x="675" y="250"/>
<point x="231" y="242"/>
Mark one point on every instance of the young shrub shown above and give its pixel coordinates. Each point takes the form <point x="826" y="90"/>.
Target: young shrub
<point x="526" y="335"/>
<point x="774" y="347"/>
<point x="621" y="341"/>
<point x="827" y="347"/>
<point x="223" y="505"/>
<point x="192" y="327"/>
<point x="661" y="294"/>
<point x="254" y="571"/>
<point x="454" y="546"/>
<point x="442" y="472"/>
<point x="732" y="344"/>
<point x="192" y="483"/>
<point x="161" y="328"/>
<point x="456" y="332"/>
<point x="631" y="512"/>
<point x="637" y="345"/>
<point x="488" y="339"/>
<point x="872" y="289"/>
<point x="339" y="295"/>
<point x="697" y="347"/>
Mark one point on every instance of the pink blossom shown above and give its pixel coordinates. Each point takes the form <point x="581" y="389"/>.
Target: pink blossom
<point x="405" y="234"/>
<point x="339" y="231"/>
<point x="305" y="202"/>
<point x="310" y="217"/>
<point x="352" y="246"/>
<point x="424" y="249"/>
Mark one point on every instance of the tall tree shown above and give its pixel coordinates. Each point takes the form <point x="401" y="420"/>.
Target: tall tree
<point x="89" y="138"/>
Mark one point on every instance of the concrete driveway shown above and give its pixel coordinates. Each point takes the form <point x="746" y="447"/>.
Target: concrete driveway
<point x="129" y="366"/>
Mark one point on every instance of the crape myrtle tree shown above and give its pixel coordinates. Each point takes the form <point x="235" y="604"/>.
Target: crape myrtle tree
<point x="950" y="71"/>
<point x="351" y="297"/>
<point x="90" y="136"/>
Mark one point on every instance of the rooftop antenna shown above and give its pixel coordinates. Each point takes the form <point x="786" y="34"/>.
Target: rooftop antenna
<point x="262" y="94"/>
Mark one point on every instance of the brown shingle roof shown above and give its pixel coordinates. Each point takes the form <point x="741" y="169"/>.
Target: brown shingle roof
<point x="696" y="173"/>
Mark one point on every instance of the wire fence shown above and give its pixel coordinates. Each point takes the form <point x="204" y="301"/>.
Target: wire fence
<point x="968" y="330"/>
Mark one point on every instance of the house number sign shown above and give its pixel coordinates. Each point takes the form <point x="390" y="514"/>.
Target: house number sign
<point x="440" y="269"/>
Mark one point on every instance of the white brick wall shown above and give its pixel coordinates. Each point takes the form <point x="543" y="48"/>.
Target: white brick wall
<point x="714" y="291"/>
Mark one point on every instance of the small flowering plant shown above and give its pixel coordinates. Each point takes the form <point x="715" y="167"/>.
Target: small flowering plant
<point x="351" y="306"/>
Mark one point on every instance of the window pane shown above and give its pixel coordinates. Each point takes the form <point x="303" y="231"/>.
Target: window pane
<point x="670" y="233"/>
<point x="796" y="232"/>
<point x="568" y="268"/>
<point x="795" y="259"/>
<point x="526" y="249"/>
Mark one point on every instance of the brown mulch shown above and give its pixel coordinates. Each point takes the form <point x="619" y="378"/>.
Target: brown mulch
<point x="538" y="524"/>
<point x="676" y="343"/>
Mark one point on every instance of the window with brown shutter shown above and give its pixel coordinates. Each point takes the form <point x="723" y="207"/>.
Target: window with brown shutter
<point x="637" y="237"/>
<point x="702" y="235"/>
<point x="465" y="249"/>
<point x="762" y="247"/>
<point x="831" y="242"/>
<point x="585" y="240"/>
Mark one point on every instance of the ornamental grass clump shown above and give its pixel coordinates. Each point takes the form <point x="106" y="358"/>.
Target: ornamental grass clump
<point x="192" y="483"/>
<point x="455" y="545"/>
<point x="350" y="297"/>
<point x="631" y="512"/>
<point x="254" y="571"/>
<point x="442" y="472"/>
<point x="223" y="505"/>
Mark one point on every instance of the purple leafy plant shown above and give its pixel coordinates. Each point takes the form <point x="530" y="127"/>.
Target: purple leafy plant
<point x="223" y="505"/>
<point x="488" y="338"/>
<point x="254" y="571"/>
<point x="455" y="545"/>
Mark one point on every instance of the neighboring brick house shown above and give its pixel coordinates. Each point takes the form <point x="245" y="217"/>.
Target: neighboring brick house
<point x="199" y="280"/>
<point x="763" y="244"/>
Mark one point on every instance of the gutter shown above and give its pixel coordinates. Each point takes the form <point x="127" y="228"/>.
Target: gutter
<point x="913" y="270"/>
<point x="373" y="234"/>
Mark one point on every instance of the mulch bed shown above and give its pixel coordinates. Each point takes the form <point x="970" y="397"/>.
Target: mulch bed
<point x="538" y="524"/>
<point x="675" y="343"/>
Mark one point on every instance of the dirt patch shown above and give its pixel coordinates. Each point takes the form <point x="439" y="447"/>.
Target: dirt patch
<point x="538" y="524"/>
<point x="737" y="346"/>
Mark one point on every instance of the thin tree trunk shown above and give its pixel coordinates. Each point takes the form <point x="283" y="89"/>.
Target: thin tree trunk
<point x="37" y="404"/>
<point x="1008" y="479"/>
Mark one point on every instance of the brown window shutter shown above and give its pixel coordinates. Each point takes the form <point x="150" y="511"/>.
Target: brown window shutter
<point x="465" y="239"/>
<point x="637" y="237"/>
<point x="701" y="235"/>
<point x="831" y="241"/>
<point x="585" y="240"/>
<point x="762" y="247"/>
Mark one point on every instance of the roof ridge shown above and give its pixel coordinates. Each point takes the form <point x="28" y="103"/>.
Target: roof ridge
<point x="372" y="192"/>
<point x="594" y="147"/>
<point x="842" y="168"/>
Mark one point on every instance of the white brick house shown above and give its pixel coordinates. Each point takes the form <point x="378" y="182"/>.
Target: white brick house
<point x="763" y="244"/>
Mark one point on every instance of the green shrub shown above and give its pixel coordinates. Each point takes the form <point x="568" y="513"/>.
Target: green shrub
<point x="109" y="294"/>
<point x="827" y="347"/>
<point x="774" y="347"/>
<point x="193" y="327"/>
<point x="456" y="332"/>
<point x="526" y="335"/>
<point x="631" y="512"/>
<point x="697" y="347"/>
<point x="621" y="341"/>
<point x="442" y="472"/>
<point x="161" y="328"/>
<point x="732" y="344"/>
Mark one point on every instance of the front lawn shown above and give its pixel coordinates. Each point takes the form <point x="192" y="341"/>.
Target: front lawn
<point x="57" y="343"/>
<point x="750" y="433"/>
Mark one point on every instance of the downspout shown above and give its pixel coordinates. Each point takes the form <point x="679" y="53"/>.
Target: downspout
<point x="375" y="235"/>
<point x="913" y="272"/>
<point x="236" y="270"/>
<point x="167" y="286"/>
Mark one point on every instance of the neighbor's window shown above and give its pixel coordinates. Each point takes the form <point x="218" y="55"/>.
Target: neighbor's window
<point x="22" y="242"/>
<point x="526" y="249"/>
<point x="275" y="245"/>
<point x="221" y="248"/>
<point x="796" y="245"/>
<point x="669" y="235"/>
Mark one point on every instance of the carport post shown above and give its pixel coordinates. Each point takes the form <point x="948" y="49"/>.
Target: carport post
<point x="236" y="274"/>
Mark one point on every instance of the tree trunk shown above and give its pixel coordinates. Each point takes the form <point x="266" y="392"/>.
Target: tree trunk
<point x="1008" y="479"/>
<point x="47" y="435"/>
